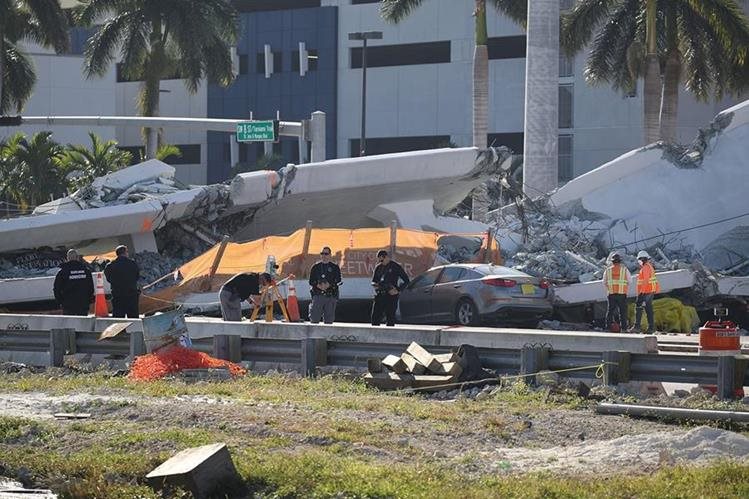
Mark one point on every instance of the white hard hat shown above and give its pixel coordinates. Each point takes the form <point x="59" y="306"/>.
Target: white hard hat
<point x="643" y="254"/>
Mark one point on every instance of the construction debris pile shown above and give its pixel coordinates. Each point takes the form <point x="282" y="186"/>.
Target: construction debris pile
<point x="416" y="368"/>
<point x="683" y="204"/>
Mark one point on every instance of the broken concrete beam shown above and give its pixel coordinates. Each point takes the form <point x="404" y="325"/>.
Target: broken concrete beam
<point x="413" y="365"/>
<point x="389" y="381"/>
<point x="447" y="357"/>
<point x="206" y="471"/>
<point x="452" y="368"/>
<point x="395" y="364"/>
<point x="424" y="357"/>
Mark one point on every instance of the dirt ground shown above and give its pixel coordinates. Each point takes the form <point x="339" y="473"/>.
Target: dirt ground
<point x="480" y="438"/>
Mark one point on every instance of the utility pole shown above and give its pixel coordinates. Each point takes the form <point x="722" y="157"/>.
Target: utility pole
<point x="364" y="36"/>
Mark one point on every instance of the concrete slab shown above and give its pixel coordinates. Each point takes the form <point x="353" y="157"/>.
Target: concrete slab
<point x="559" y="340"/>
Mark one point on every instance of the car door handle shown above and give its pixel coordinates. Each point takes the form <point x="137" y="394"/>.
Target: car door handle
<point x="427" y="290"/>
<point x="457" y="285"/>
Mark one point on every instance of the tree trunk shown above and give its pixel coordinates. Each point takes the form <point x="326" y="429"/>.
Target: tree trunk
<point x="540" y="167"/>
<point x="670" y="98"/>
<point x="652" y="84"/>
<point x="671" y="78"/>
<point x="480" y="104"/>
<point x="150" y="91"/>
<point x="2" y="68"/>
<point x="652" y="98"/>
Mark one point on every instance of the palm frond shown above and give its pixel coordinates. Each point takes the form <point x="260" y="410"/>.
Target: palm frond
<point x="580" y="24"/>
<point x="395" y="11"/>
<point x="18" y="78"/>
<point x="517" y="10"/>
<point x="101" y="47"/>
<point x="52" y="20"/>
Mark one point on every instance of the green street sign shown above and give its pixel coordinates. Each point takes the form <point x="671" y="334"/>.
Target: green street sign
<point x="257" y="131"/>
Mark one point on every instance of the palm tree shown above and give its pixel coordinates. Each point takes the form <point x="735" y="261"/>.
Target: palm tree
<point x="156" y="38"/>
<point x="34" y="177"/>
<point x="40" y="21"/>
<point x="397" y="10"/>
<point x="83" y="164"/>
<point x="706" y="43"/>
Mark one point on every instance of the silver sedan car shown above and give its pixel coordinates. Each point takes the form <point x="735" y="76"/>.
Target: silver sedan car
<point x="471" y="294"/>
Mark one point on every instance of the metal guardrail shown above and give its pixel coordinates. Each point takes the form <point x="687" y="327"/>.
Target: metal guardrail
<point x="728" y="373"/>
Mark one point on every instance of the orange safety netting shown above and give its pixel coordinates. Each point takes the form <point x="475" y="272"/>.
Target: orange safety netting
<point x="355" y="251"/>
<point x="174" y="359"/>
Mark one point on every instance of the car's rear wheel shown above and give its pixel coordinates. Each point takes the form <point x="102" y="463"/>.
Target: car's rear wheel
<point x="466" y="313"/>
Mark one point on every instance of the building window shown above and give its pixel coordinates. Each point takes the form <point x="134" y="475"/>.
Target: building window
<point x="277" y="62"/>
<point x="565" y="106"/>
<point x="402" y="55"/>
<point x="566" y="66"/>
<point x="361" y="2"/>
<point x="312" y="59"/>
<point x="506" y="47"/>
<point x="566" y="170"/>
<point x="385" y="145"/>
<point x="512" y="140"/>
<point x="244" y="64"/>
<point x="566" y="5"/>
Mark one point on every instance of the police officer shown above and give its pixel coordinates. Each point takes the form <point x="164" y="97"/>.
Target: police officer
<point x="244" y="286"/>
<point x="123" y="274"/>
<point x="74" y="286"/>
<point x="385" y="280"/>
<point x="324" y="279"/>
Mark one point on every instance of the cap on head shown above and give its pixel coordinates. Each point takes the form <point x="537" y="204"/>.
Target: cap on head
<point x="643" y="255"/>
<point x="382" y="253"/>
<point x="120" y="250"/>
<point x="616" y="258"/>
<point x="72" y="255"/>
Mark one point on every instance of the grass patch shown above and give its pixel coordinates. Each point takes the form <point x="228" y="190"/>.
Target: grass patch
<point x="97" y="472"/>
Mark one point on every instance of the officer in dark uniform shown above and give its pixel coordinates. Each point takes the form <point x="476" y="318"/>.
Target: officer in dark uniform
<point x="123" y="274"/>
<point x="74" y="286"/>
<point x="324" y="279"/>
<point x="238" y="288"/>
<point x="385" y="279"/>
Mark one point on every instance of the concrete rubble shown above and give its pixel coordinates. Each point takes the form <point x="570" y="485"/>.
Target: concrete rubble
<point x="685" y="205"/>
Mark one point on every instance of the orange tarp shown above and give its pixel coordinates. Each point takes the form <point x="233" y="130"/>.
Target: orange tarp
<point x="355" y="250"/>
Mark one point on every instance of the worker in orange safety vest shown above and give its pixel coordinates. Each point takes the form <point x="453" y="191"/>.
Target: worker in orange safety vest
<point x="647" y="287"/>
<point x="616" y="279"/>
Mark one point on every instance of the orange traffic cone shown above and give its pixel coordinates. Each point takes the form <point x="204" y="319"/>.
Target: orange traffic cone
<point x="292" y="304"/>
<point x="100" y="304"/>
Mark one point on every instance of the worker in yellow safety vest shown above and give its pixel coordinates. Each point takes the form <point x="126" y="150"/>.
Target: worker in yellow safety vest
<point x="616" y="279"/>
<point x="647" y="287"/>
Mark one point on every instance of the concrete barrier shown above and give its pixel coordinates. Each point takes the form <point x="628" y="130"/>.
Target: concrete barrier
<point x="510" y="338"/>
<point x="558" y="340"/>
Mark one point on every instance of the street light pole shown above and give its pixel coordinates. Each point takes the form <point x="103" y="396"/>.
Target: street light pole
<point x="364" y="36"/>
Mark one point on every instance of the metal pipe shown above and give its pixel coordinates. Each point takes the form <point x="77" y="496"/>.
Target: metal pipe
<point x="286" y="128"/>
<point x="672" y="412"/>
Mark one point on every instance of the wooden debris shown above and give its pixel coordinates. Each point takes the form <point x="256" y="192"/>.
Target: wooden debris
<point x="72" y="415"/>
<point x="395" y="364"/>
<point x="413" y="366"/>
<point x="447" y="357"/>
<point x="113" y="330"/>
<point x="452" y="368"/>
<point x="206" y="471"/>
<point x="389" y="381"/>
<point x="429" y="380"/>
<point x="424" y="357"/>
